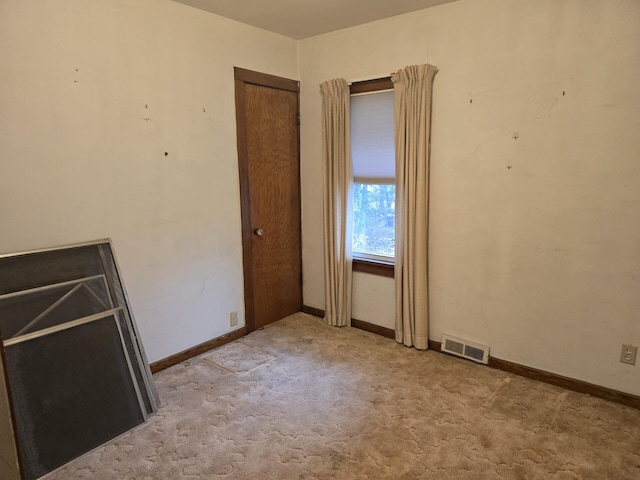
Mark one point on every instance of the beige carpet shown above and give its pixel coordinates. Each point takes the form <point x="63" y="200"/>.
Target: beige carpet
<point x="300" y="400"/>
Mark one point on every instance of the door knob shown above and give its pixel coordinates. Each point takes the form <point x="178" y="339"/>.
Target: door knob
<point x="259" y="232"/>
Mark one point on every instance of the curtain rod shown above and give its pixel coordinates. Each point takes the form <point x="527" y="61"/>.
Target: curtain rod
<point x="370" y="77"/>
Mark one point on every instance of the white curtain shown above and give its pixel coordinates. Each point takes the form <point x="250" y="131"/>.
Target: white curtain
<point x="412" y="99"/>
<point x="337" y="175"/>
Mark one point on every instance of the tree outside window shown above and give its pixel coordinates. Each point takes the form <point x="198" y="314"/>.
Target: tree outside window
<point x="374" y="219"/>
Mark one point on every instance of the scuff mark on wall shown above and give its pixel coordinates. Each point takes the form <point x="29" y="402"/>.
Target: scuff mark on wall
<point x="546" y="107"/>
<point x="539" y="100"/>
<point x="204" y="284"/>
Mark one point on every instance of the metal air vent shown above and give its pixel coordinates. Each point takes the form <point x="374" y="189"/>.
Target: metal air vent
<point x="463" y="348"/>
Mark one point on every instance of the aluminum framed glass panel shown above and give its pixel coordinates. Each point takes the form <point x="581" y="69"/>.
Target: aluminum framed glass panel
<point x="67" y="324"/>
<point x="73" y="389"/>
<point x="27" y="311"/>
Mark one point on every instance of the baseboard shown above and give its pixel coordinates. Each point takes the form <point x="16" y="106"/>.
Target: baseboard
<point x="316" y="312"/>
<point x="197" y="350"/>
<point x="506" y="366"/>
<point x="370" y="327"/>
<point x="568" y="383"/>
<point x="359" y="324"/>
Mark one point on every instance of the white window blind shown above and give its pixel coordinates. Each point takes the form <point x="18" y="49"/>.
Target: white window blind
<point x="372" y="147"/>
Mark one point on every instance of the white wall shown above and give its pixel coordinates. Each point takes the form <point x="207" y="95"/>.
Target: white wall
<point x="535" y="241"/>
<point x="540" y="261"/>
<point x="82" y="158"/>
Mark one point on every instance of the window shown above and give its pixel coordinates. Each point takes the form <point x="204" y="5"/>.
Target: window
<point x="373" y="156"/>
<point x="374" y="220"/>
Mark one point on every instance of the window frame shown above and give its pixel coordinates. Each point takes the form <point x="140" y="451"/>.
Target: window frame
<point x="367" y="263"/>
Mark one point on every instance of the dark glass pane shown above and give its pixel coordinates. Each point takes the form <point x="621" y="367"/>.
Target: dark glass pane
<point x="44" y="268"/>
<point x="36" y="310"/>
<point x="72" y="391"/>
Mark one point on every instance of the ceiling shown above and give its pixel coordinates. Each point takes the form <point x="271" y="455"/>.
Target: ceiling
<point x="305" y="18"/>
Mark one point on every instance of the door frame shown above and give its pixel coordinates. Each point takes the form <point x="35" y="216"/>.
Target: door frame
<point x="244" y="77"/>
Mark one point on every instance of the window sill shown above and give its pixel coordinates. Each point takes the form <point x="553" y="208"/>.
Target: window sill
<point x="372" y="267"/>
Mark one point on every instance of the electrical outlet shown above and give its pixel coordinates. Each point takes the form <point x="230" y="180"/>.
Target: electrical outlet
<point x="628" y="354"/>
<point x="233" y="319"/>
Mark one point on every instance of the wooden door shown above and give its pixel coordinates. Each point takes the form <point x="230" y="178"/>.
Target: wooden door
<point x="269" y="167"/>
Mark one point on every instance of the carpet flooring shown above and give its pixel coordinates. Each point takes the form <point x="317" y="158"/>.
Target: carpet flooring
<point x="301" y="400"/>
